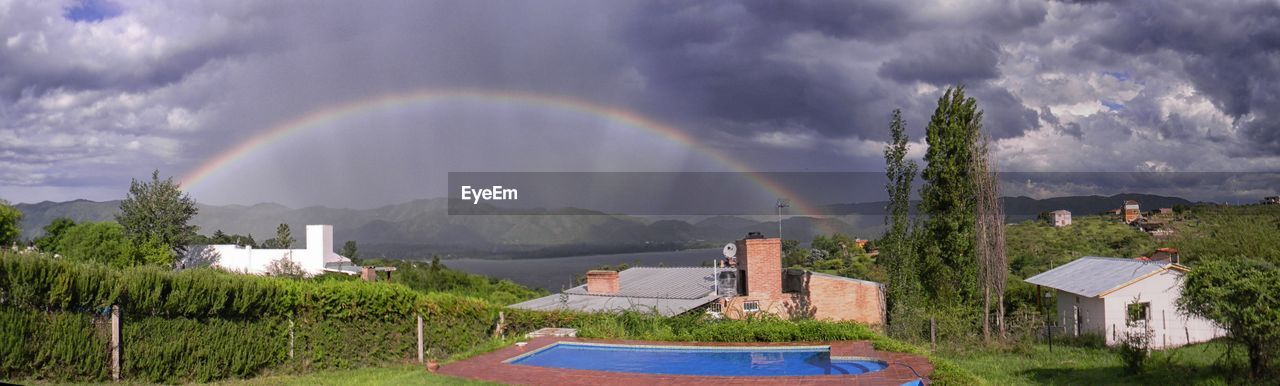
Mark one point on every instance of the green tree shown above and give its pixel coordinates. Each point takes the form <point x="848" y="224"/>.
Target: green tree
<point x="220" y="237"/>
<point x="947" y="198"/>
<point x="9" y="218"/>
<point x="350" y="251"/>
<point x="158" y="210"/>
<point x="283" y="237"/>
<point x="106" y="243"/>
<point x="1239" y="294"/>
<point x="53" y="234"/>
<point x="899" y="255"/>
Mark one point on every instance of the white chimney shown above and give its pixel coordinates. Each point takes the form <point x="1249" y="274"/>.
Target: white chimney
<point x="320" y="240"/>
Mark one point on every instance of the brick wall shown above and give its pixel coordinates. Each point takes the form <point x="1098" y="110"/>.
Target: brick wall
<point x="840" y="299"/>
<point x="824" y="297"/>
<point x="762" y="260"/>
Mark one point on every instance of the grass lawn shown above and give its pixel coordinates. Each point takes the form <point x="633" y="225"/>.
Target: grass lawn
<point x="1066" y="365"/>
<point x="397" y="375"/>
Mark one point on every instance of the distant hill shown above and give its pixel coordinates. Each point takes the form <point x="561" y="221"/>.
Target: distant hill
<point x="1027" y="206"/>
<point x="422" y="227"/>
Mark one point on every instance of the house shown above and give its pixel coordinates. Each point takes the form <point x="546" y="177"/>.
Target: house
<point x="749" y="282"/>
<point x="315" y="259"/>
<point x="1165" y="211"/>
<point x="1061" y="218"/>
<point x="1108" y="296"/>
<point x="1131" y="211"/>
<point x="1272" y="200"/>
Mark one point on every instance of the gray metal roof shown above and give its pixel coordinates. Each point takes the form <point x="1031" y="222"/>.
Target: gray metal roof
<point x="596" y="303"/>
<point x="1091" y="275"/>
<point x="667" y="290"/>
<point x="660" y="282"/>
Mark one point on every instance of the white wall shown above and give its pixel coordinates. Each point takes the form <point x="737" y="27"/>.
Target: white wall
<point x="1170" y="328"/>
<point x="1078" y="315"/>
<point x="319" y="250"/>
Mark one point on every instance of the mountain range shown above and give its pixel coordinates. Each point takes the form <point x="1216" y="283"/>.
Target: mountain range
<point x="420" y="228"/>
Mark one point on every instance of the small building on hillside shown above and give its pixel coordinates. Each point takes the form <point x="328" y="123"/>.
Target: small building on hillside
<point x="749" y="282"/>
<point x="1131" y="211"/>
<point x="1108" y="296"/>
<point x="317" y="258"/>
<point x="1061" y="218"/>
<point x="1272" y="200"/>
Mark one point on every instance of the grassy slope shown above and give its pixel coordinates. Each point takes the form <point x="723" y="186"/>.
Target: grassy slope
<point x="1196" y="364"/>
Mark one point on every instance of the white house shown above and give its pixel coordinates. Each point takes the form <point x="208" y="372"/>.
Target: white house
<point x="1095" y="296"/>
<point x="1061" y="218"/>
<point x="315" y="259"/>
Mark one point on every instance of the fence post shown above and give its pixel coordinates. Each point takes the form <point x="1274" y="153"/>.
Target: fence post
<point x="115" y="342"/>
<point x="420" y="353"/>
<point x="502" y="321"/>
<point x="290" y="338"/>
<point x="933" y="334"/>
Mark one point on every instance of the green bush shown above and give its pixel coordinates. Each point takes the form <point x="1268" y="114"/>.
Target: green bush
<point x="172" y="350"/>
<point x="57" y="346"/>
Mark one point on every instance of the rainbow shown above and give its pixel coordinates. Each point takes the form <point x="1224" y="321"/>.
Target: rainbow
<point x="319" y="118"/>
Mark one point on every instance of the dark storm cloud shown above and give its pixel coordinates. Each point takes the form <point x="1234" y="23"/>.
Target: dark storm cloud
<point x="807" y="85"/>
<point x="712" y="61"/>
<point x="947" y="62"/>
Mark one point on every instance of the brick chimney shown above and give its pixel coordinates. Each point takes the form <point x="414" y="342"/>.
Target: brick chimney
<point x="761" y="260"/>
<point x="602" y="282"/>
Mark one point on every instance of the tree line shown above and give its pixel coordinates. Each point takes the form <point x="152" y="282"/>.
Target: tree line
<point x="153" y="228"/>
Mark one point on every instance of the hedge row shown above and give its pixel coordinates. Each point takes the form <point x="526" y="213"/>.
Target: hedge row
<point x="34" y="282"/>
<point x="204" y="325"/>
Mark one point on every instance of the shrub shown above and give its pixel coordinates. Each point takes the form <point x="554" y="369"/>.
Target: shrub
<point x="1135" y="347"/>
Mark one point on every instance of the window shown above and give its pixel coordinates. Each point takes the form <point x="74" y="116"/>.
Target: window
<point x="751" y="306"/>
<point x="1138" y="312"/>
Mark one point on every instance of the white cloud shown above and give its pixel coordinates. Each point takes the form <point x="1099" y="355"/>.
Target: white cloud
<point x="784" y="139"/>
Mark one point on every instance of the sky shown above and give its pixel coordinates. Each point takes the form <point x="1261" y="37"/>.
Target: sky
<point x="95" y="93"/>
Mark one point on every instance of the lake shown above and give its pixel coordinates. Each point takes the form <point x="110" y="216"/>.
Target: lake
<point x="557" y="273"/>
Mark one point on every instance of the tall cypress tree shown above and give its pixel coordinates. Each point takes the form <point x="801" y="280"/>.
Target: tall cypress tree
<point x="899" y="254"/>
<point x="947" y="198"/>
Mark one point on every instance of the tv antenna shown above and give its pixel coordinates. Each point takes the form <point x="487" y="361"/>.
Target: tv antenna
<point x="782" y="203"/>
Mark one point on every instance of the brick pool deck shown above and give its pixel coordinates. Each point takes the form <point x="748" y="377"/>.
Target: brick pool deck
<point x="490" y="367"/>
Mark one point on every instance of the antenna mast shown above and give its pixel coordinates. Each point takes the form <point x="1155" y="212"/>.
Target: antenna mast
<point x="782" y="203"/>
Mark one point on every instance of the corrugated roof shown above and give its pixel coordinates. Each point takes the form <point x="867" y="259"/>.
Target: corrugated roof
<point x="660" y="282"/>
<point x="595" y="303"/>
<point x="1092" y="275"/>
<point x="667" y="290"/>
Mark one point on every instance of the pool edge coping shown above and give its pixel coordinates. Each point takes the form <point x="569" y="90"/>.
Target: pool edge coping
<point x="694" y="347"/>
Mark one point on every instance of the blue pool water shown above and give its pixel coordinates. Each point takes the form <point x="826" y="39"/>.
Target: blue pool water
<point x="745" y="361"/>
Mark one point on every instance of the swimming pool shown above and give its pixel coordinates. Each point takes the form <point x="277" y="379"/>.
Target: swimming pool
<point x="692" y="360"/>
